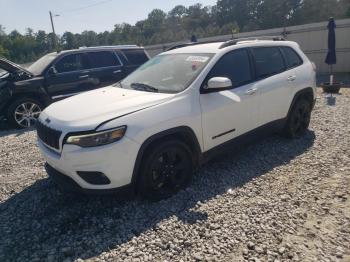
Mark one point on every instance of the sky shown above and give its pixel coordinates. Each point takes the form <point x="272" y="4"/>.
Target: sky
<point x="79" y="15"/>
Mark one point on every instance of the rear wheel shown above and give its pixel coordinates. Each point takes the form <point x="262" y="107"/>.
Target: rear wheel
<point x="299" y="119"/>
<point x="166" y="169"/>
<point x="22" y="113"/>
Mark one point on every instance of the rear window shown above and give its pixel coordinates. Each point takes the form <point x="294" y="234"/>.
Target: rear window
<point x="292" y="58"/>
<point x="268" y="61"/>
<point x="103" y="59"/>
<point x="135" y="57"/>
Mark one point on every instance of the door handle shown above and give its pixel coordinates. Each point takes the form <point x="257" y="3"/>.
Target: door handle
<point x="251" y="91"/>
<point x="83" y="77"/>
<point x="117" y="71"/>
<point x="291" y="78"/>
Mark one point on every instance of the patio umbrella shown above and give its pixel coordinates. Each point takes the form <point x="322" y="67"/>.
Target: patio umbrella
<point x="331" y="58"/>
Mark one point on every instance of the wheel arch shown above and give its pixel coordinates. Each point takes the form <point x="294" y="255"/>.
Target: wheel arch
<point x="182" y="133"/>
<point x="35" y="96"/>
<point x="306" y="93"/>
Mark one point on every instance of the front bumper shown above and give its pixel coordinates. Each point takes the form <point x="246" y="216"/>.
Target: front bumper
<point x="116" y="161"/>
<point x="68" y="184"/>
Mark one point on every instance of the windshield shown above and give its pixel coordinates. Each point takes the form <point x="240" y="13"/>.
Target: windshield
<point x="171" y="73"/>
<point x="40" y="65"/>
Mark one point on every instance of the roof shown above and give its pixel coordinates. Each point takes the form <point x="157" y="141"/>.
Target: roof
<point x="112" y="47"/>
<point x="92" y="48"/>
<point x="218" y="46"/>
<point x="198" y="48"/>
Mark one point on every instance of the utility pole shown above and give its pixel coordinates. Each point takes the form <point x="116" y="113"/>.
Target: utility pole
<point x="54" y="39"/>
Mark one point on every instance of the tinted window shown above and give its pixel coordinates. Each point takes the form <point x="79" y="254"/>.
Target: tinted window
<point x="103" y="59"/>
<point x="135" y="57"/>
<point x="70" y="63"/>
<point x="268" y="61"/>
<point x="235" y="66"/>
<point x="293" y="59"/>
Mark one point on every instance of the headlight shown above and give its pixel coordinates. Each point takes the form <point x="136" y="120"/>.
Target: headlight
<point x="98" y="138"/>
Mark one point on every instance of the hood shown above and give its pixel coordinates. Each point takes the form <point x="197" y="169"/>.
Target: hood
<point x="12" y="67"/>
<point x="86" y="111"/>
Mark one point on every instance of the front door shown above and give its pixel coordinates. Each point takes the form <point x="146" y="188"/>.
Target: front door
<point x="227" y="114"/>
<point x="68" y="76"/>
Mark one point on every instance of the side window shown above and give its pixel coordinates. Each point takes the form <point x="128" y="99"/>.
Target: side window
<point x="70" y="63"/>
<point x="293" y="59"/>
<point x="103" y="59"/>
<point x="135" y="57"/>
<point x="235" y="66"/>
<point x="268" y="61"/>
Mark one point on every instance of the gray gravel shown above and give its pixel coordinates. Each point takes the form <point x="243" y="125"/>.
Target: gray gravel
<point x="276" y="200"/>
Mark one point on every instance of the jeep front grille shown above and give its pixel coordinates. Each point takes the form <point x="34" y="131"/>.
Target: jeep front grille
<point x="49" y="136"/>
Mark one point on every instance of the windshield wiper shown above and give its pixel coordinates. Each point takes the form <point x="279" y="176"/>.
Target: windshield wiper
<point x="144" y="87"/>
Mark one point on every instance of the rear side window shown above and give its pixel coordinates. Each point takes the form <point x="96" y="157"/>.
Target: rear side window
<point x="103" y="59"/>
<point x="268" y="61"/>
<point x="71" y="63"/>
<point x="135" y="57"/>
<point x="292" y="58"/>
<point x="235" y="66"/>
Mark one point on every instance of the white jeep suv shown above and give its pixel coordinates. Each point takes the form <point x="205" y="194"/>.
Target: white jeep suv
<point x="151" y="130"/>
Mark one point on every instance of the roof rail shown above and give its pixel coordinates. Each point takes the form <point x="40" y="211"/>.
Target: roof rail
<point x="107" y="46"/>
<point x="235" y="41"/>
<point x="190" y="44"/>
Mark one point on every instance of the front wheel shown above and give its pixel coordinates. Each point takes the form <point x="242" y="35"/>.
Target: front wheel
<point x="299" y="119"/>
<point x="23" y="113"/>
<point x="166" y="169"/>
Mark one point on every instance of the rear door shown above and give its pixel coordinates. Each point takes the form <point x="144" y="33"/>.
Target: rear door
<point x="296" y="68"/>
<point x="273" y="82"/>
<point x="70" y="76"/>
<point x="105" y="67"/>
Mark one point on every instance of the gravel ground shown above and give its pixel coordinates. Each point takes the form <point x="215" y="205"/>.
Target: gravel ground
<point x="276" y="200"/>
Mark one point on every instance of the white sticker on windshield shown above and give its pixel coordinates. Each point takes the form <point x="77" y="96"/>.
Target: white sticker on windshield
<point x="200" y="59"/>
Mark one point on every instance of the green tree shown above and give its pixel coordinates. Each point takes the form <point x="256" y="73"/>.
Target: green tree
<point x="276" y="13"/>
<point x="237" y="11"/>
<point x="3" y="52"/>
<point x="69" y="40"/>
<point x="179" y="24"/>
<point x="320" y="10"/>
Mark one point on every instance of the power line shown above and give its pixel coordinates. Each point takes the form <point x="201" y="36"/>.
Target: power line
<point x="83" y="7"/>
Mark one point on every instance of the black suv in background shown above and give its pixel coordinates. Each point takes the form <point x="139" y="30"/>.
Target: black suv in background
<point x="25" y="92"/>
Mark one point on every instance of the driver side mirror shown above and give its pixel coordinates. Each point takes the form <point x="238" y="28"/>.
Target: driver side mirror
<point x="52" y="71"/>
<point x="219" y="83"/>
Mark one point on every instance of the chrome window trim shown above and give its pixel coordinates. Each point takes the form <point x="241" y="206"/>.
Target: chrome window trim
<point x="88" y="69"/>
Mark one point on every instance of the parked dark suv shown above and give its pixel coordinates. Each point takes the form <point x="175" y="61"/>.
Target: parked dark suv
<point x="25" y="92"/>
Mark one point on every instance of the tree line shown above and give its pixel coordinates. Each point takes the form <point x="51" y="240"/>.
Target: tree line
<point x="226" y="17"/>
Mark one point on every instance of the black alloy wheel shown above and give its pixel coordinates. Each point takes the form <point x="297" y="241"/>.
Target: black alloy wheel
<point x="166" y="169"/>
<point x="299" y="119"/>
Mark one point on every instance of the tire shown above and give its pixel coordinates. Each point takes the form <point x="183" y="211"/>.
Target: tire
<point x="299" y="119"/>
<point x="166" y="168"/>
<point x="23" y="112"/>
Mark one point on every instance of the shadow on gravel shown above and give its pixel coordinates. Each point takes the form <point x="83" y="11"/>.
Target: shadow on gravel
<point x="40" y="223"/>
<point x="331" y="100"/>
<point x="6" y="129"/>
